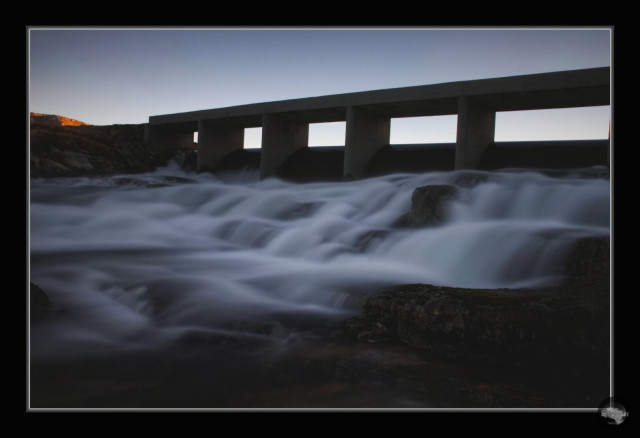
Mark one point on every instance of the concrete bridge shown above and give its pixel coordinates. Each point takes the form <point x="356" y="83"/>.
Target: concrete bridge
<point x="368" y="114"/>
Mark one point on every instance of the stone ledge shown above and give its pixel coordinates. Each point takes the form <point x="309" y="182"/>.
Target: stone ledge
<point x="556" y="327"/>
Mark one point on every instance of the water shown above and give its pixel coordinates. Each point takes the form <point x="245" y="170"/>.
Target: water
<point x="146" y="262"/>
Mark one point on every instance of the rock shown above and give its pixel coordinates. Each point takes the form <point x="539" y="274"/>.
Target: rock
<point x="469" y="178"/>
<point x="589" y="258"/>
<point x="368" y="239"/>
<point x="556" y="327"/>
<point x="430" y="204"/>
<point x="40" y="305"/>
<point x="60" y="147"/>
<point x="77" y="160"/>
<point x="363" y="330"/>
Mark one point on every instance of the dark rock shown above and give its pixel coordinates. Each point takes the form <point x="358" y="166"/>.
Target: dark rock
<point x="127" y="181"/>
<point x="469" y="178"/>
<point x="40" y="305"/>
<point x="401" y="222"/>
<point x="178" y="179"/>
<point x="165" y="156"/>
<point x="368" y="331"/>
<point x="67" y="150"/>
<point x="366" y="240"/>
<point x="589" y="258"/>
<point x="559" y="327"/>
<point x="430" y="204"/>
<point x="162" y="181"/>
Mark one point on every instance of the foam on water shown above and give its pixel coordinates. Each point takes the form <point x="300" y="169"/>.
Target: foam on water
<point x="141" y="259"/>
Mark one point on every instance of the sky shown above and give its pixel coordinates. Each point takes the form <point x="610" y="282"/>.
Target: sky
<point x="117" y="75"/>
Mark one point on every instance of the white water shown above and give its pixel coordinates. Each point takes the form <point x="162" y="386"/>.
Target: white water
<point x="138" y="264"/>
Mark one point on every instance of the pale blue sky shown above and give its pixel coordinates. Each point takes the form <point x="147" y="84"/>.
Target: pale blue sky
<point x="120" y="75"/>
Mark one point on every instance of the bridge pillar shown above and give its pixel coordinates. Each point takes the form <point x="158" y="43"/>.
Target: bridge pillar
<point x="168" y="137"/>
<point x="476" y="131"/>
<point x="366" y="132"/>
<point x="281" y="137"/>
<point x="216" y="140"/>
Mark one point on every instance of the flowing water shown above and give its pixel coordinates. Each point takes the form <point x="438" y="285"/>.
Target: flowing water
<point x="135" y="265"/>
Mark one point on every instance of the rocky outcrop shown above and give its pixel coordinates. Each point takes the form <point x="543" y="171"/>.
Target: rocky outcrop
<point x="60" y="147"/>
<point x="559" y="327"/>
<point x="589" y="258"/>
<point x="430" y="204"/>
<point x="564" y="327"/>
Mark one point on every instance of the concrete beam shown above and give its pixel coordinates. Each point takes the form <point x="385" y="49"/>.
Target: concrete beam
<point x="476" y="131"/>
<point x="161" y="137"/>
<point x="281" y="137"/>
<point x="366" y="133"/>
<point x="565" y="89"/>
<point x="216" y="140"/>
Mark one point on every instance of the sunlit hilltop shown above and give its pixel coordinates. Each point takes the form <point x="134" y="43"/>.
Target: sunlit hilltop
<point x="55" y="120"/>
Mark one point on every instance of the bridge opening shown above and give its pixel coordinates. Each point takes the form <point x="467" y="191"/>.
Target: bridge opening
<point x="253" y="138"/>
<point x="323" y="160"/>
<point x="417" y="144"/>
<point x="551" y="138"/>
<point x="327" y="134"/>
<point x="423" y="130"/>
<point x="586" y="123"/>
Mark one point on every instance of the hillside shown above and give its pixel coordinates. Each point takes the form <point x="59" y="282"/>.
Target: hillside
<point x="51" y="119"/>
<point x="59" y="146"/>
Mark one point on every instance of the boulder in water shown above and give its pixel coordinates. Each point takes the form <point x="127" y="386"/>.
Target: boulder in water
<point x="430" y="204"/>
<point x="557" y="327"/>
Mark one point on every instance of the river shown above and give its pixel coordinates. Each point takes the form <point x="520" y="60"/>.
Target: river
<point x="180" y="290"/>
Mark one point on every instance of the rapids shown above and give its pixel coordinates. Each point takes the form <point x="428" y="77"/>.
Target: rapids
<point x="142" y="258"/>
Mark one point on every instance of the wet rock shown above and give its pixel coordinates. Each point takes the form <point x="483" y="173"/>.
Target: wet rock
<point x="430" y="204"/>
<point x="59" y="148"/>
<point x="557" y="327"/>
<point x="178" y="179"/>
<point x="162" y="181"/>
<point x="368" y="331"/>
<point x="370" y="238"/>
<point x="469" y="178"/>
<point x="77" y="160"/>
<point x="300" y="210"/>
<point x="402" y="221"/>
<point x="589" y="258"/>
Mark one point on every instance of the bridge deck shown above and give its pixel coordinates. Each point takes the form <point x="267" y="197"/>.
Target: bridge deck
<point x="576" y="88"/>
<point x="285" y="123"/>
